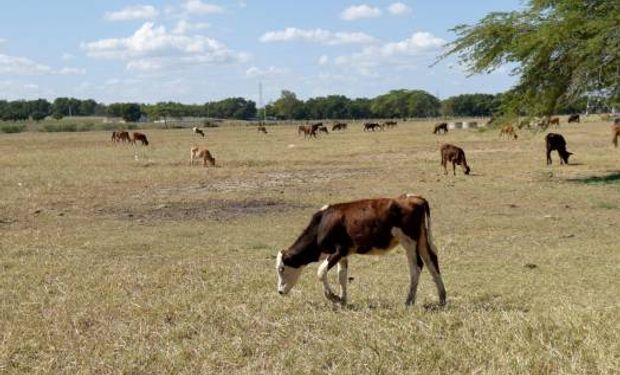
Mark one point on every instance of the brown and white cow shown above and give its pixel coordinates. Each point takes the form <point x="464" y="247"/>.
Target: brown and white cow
<point x="140" y="137"/>
<point x="455" y="155"/>
<point x="440" y="128"/>
<point x="261" y="129"/>
<point x="121" y="136"/>
<point x="197" y="153"/>
<point x="369" y="226"/>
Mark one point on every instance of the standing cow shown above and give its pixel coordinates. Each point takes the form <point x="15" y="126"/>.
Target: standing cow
<point x="370" y="226"/>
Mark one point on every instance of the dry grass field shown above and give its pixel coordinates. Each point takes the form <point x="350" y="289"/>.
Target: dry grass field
<point x="121" y="261"/>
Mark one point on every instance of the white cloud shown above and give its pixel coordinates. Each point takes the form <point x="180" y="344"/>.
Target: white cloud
<point x="67" y="56"/>
<point x="72" y="71"/>
<point x="324" y="59"/>
<point x="392" y="53"/>
<point x="399" y="9"/>
<point x="184" y="27"/>
<point x="317" y="36"/>
<point x="2" y="41"/>
<point x="153" y="48"/>
<point x="254" y="71"/>
<point x="359" y="11"/>
<point x="198" y="7"/>
<point x="134" y="12"/>
<point x="21" y="65"/>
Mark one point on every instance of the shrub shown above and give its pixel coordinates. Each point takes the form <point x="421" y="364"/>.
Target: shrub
<point x="12" y="128"/>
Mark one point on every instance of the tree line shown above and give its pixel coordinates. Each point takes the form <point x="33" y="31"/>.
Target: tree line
<point x="394" y="104"/>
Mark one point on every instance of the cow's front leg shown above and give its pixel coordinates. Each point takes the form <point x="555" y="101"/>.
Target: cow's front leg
<point x="327" y="264"/>
<point x="343" y="266"/>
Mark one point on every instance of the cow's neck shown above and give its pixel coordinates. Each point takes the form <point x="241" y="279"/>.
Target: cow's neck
<point x="301" y="254"/>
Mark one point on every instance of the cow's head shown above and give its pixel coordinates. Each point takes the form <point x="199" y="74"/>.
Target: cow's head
<point x="565" y="155"/>
<point x="467" y="169"/>
<point x="287" y="275"/>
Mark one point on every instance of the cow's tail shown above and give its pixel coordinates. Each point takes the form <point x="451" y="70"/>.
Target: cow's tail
<point x="429" y="235"/>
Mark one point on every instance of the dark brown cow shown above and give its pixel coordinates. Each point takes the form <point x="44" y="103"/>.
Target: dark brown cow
<point x="615" y="131"/>
<point x="339" y="126"/>
<point x="140" y="137"/>
<point x="509" y="131"/>
<point x="555" y="141"/>
<point x="455" y="155"/>
<point x="197" y="153"/>
<point x="372" y="126"/>
<point x="370" y="226"/>
<point x="574" y="118"/>
<point x="196" y="130"/>
<point x="323" y="129"/>
<point x="440" y="128"/>
<point x="261" y="129"/>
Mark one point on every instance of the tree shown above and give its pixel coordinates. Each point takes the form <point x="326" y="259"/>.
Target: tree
<point x="561" y="50"/>
<point x="471" y="105"/>
<point x="131" y="112"/>
<point x="406" y="103"/>
<point x="288" y="106"/>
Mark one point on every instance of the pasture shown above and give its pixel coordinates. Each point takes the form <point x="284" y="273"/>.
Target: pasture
<point x="115" y="259"/>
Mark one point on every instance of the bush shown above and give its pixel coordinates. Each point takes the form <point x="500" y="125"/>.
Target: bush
<point x="13" y="128"/>
<point x="53" y="128"/>
<point x="86" y="127"/>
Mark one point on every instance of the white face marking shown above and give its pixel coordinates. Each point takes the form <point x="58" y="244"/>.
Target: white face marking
<point x="287" y="276"/>
<point x="324" y="207"/>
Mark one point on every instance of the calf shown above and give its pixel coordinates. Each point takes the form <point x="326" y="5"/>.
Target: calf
<point x="555" y="141"/>
<point x="455" y="155"/>
<point x="574" y="118"/>
<point x="121" y="136"/>
<point x="198" y="131"/>
<point x="197" y="153"/>
<point x="615" y="131"/>
<point x="370" y="226"/>
<point x="509" y="131"/>
<point x="441" y="128"/>
<point x="262" y="129"/>
<point x="554" y="121"/>
<point x="140" y="137"/>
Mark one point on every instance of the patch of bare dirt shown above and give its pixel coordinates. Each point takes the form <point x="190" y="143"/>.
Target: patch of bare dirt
<point x="212" y="209"/>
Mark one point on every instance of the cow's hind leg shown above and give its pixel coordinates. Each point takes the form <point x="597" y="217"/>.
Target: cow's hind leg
<point x="414" y="261"/>
<point x="428" y="252"/>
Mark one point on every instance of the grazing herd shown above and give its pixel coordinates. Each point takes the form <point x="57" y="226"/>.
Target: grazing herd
<point x="122" y="136"/>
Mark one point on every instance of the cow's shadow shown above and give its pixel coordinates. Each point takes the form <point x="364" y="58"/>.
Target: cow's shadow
<point x="610" y="178"/>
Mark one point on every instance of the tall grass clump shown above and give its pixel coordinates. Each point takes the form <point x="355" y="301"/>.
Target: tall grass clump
<point x="12" y="128"/>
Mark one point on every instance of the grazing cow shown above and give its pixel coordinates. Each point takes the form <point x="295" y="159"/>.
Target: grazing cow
<point x="615" y="131"/>
<point x="441" y="128"/>
<point x="455" y="155"/>
<point x="198" y="131"/>
<point x="390" y="124"/>
<point x="121" y="136"/>
<point x="555" y="141"/>
<point x="322" y="129"/>
<point x="370" y="226"/>
<point x="197" y="153"/>
<point x="140" y="137"/>
<point x="372" y="126"/>
<point x="261" y="129"/>
<point x="574" y="118"/>
<point x="509" y="131"/>
<point x="554" y="121"/>
<point x="339" y="126"/>
<point x="309" y="130"/>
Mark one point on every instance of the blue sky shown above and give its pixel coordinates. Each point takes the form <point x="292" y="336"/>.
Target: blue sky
<point x="195" y="51"/>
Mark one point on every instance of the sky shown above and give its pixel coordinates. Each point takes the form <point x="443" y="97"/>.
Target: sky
<point x="194" y="51"/>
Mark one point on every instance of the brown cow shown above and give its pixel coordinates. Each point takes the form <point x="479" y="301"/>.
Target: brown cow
<point x="574" y="118"/>
<point x="555" y="141"/>
<point x="369" y="226"/>
<point x="121" y="136"/>
<point x="197" y="153"/>
<point x="372" y="126"/>
<point x="441" y="128"/>
<point x="509" y="131"/>
<point x="140" y="137"/>
<point x="390" y="124"/>
<point x="615" y="131"/>
<point x="339" y="126"/>
<point x="455" y="155"/>
<point x="323" y="129"/>
<point x="308" y="130"/>
<point x="554" y="121"/>
<point x="261" y="129"/>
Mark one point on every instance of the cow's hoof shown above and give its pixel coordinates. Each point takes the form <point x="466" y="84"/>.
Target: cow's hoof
<point x="332" y="297"/>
